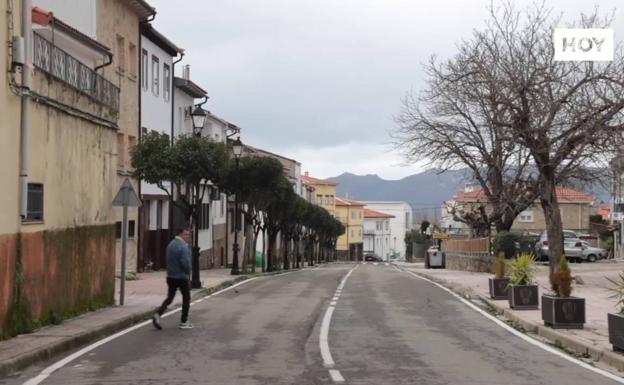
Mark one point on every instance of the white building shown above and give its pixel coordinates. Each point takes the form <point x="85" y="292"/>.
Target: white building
<point x="377" y="233"/>
<point x="157" y="54"/>
<point x="399" y="225"/>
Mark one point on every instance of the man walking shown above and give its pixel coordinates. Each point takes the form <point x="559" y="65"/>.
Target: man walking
<point x="178" y="275"/>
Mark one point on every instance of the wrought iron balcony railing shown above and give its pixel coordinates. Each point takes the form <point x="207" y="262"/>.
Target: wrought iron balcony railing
<point x="64" y="67"/>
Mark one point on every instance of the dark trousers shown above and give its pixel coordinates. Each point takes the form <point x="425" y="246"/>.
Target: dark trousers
<point x="173" y="284"/>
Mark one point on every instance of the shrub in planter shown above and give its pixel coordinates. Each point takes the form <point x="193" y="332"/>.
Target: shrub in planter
<point x="499" y="285"/>
<point x="506" y="242"/>
<point x="616" y="320"/>
<point x="523" y="292"/>
<point x="560" y="310"/>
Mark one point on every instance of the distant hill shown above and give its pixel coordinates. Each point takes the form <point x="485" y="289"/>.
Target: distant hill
<point x="425" y="191"/>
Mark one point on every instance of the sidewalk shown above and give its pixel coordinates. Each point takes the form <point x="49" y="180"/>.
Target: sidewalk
<point x="591" y="341"/>
<point x="142" y="297"/>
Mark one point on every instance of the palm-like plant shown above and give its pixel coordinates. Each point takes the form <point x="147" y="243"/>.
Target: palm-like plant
<point x="617" y="291"/>
<point x="522" y="269"/>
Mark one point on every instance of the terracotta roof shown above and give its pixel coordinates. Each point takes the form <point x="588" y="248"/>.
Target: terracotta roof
<point x="253" y="149"/>
<point x="46" y="18"/>
<point x="316" y="181"/>
<point x="348" y="202"/>
<point x="368" y="213"/>
<point x="564" y="195"/>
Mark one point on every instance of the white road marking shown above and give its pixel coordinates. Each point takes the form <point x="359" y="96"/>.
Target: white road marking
<point x="375" y="263"/>
<point x="522" y="335"/>
<point x="328" y="360"/>
<point x="387" y="264"/>
<point x="336" y="376"/>
<point x="336" y="298"/>
<point x="45" y="373"/>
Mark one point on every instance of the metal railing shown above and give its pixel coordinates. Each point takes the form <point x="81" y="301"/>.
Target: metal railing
<point x="64" y="67"/>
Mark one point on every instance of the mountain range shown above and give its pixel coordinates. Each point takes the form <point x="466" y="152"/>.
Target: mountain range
<point x="424" y="191"/>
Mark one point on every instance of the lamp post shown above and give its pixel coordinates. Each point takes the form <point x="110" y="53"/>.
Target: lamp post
<point x="199" y="118"/>
<point x="237" y="150"/>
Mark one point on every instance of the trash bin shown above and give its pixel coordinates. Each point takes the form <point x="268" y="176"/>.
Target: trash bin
<point x="435" y="258"/>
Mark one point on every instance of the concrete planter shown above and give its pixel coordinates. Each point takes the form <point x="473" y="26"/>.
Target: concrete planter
<point x="563" y="312"/>
<point x="499" y="288"/>
<point x="616" y="331"/>
<point x="523" y="297"/>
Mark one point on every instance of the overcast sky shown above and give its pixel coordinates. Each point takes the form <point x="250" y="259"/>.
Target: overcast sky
<point x="320" y="81"/>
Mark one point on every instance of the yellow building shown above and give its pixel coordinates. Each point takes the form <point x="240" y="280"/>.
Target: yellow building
<point x="322" y="192"/>
<point x="58" y="157"/>
<point x="351" y="214"/>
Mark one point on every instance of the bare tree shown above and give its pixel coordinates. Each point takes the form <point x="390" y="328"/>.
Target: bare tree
<point x="562" y="119"/>
<point x="453" y="123"/>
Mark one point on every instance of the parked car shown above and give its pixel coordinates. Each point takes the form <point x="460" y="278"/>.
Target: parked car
<point x="572" y="246"/>
<point x="591" y="253"/>
<point x="371" y="257"/>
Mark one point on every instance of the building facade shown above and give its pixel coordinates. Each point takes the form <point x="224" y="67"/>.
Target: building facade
<point x="61" y="136"/>
<point x="377" y="233"/>
<point x="324" y="192"/>
<point x="156" y="82"/>
<point x="399" y="225"/>
<point x="118" y="26"/>
<point x="575" y="207"/>
<point x="349" y="245"/>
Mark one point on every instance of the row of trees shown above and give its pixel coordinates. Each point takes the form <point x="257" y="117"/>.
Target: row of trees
<point x="521" y="122"/>
<point x="192" y="166"/>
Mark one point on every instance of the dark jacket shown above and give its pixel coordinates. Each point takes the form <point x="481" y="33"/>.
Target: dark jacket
<point x="178" y="259"/>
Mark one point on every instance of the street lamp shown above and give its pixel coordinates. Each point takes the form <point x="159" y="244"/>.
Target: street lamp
<point x="237" y="150"/>
<point x="199" y="118"/>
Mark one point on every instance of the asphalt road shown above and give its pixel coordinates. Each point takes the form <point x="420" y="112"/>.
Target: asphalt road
<point x="387" y="327"/>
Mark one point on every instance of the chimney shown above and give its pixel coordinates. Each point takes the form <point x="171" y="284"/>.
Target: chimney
<point x="186" y="72"/>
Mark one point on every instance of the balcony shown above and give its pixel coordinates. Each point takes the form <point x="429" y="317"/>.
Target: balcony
<point x="59" y="64"/>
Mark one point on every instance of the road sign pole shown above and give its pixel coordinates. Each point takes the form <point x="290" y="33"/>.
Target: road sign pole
<point x="124" y="239"/>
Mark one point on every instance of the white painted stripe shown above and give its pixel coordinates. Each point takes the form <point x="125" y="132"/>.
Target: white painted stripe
<point x="522" y="335"/>
<point x="375" y="263"/>
<point x="45" y="373"/>
<point x="336" y="298"/>
<point x="387" y="264"/>
<point x="333" y="303"/>
<point x="336" y="376"/>
<point x="328" y="360"/>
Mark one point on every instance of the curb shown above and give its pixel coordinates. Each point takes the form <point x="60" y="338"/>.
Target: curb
<point x="557" y="338"/>
<point x="53" y="349"/>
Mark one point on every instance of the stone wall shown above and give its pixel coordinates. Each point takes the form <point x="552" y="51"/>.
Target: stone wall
<point x="477" y="262"/>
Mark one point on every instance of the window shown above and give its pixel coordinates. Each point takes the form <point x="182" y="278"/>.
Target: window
<point x="131" y="232"/>
<point x="407" y="220"/>
<point x="319" y="199"/>
<point x="155" y="75"/>
<point x="387" y="225"/>
<point x="133" y="60"/>
<point x="359" y="214"/>
<point x="378" y="225"/>
<point x="131" y="143"/>
<point x="131" y="229"/>
<point x="222" y="205"/>
<point x="34" y="207"/>
<point x="352" y="214"/>
<point x="121" y="149"/>
<point x="144" y="67"/>
<point x="166" y="82"/>
<point x="351" y="233"/>
<point x="360" y="232"/>
<point x="526" y="216"/>
<point x="121" y="53"/>
<point x="204" y="217"/>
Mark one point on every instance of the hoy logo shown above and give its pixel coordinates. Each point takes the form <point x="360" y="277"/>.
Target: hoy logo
<point x="583" y="44"/>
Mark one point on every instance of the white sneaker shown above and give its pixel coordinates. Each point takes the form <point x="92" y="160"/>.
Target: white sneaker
<point x="156" y="321"/>
<point x="186" y="325"/>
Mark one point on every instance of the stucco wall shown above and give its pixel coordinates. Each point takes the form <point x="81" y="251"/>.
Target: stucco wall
<point x="9" y="137"/>
<point x="115" y="19"/>
<point x="574" y="216"/>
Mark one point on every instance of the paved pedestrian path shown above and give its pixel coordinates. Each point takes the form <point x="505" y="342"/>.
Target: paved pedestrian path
<point x="592" y="285"/>
<point x="143" y="295"/>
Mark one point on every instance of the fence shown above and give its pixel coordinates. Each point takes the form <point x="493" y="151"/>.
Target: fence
<point x="474" y="245"/>
<point x="59" y="64"/>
